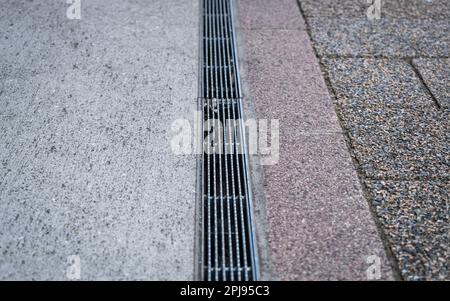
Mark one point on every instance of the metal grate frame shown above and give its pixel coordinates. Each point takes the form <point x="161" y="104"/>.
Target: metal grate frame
<point x="228" y="244"/>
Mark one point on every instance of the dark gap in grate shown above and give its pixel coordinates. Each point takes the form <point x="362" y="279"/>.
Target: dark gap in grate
<point x="229" y="248"/>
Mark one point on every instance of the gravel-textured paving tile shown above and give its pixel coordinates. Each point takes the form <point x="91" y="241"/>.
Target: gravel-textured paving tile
<point x="436" y="75"/>
<point x="376" y="81"/>
<point x="415" y="9"/>
<point x="269" y="14"/>
<point x="333" y="8"/>
<point x="416" y="220"/>
<point x="399" y="143"/>
<point x="386" y="37"/>
<point x="397" y="133"/>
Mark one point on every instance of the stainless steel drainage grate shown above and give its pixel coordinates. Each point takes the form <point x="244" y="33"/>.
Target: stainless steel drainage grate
<point x="228" y="241"/>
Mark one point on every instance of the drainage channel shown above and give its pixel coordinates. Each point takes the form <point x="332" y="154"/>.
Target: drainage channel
<point x="228" y="245"/>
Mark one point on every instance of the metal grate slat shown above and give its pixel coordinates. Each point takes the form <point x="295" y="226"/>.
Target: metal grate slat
<point x="226" y="132"/>
<point x="228" y="243"/>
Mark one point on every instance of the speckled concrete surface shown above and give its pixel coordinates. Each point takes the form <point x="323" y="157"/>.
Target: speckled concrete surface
<point x="332" y="8"/>
<point x="320" y="227"/>
<point x="319" y="224"/>
<point x="416" y="220"/>
<point x="399" y="142"/>
<point x="376" y="81"/>
<point x="436" y="75"/>
<point x="269" y="14"/>
<point x="285" y="79"/>
<point x="398" y="131"/>
<point x="407" y="28"/>
<point x="85" y="135"/>
<point x="388" y="37"/>
<point x="421" y="9"/>
<point x="417" y="9"/>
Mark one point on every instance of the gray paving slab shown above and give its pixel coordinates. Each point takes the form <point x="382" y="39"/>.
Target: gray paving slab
<point x="332" y="8"/>
<point x="415" y="218"/>
<point x="87" y="167"/>
<point x="436" y="75"/>
<point x="398" y="142"/>
<point x="397" y="132"/>
<point x="413" y="9"/>
<point x="388" y="37"/>
<point x="417" y="9"/>
<point x="358" y="81"/>
<point x="270" y="14"/>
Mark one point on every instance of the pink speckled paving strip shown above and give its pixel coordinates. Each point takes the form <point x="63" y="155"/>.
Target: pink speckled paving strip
<point x="320" y="225"/>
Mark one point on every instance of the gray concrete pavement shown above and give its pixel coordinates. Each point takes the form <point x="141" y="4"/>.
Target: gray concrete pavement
<point x="86" y="165"/>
